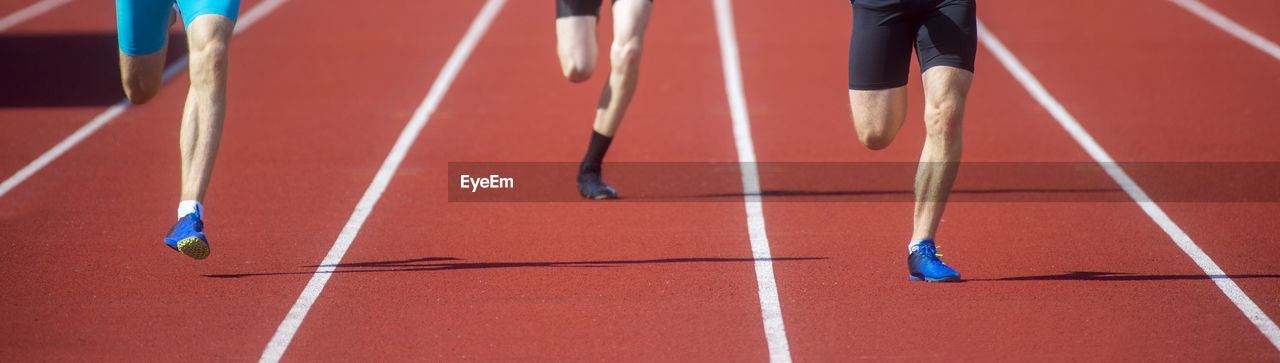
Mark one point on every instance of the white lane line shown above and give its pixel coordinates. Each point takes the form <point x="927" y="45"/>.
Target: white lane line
<point x="285" y="332"/>
<point x="242" y="23"/>
<point x="775" y="332"/>
<point x="1033" y="86"/>
<point x="29" y="12"/>
<point x="1231" y="27"/>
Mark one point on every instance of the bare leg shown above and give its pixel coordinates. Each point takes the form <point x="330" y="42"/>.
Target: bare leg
<point x="208" y="37"/>
<point x="945" y="89"/>
<point x="142" y="75"/>
<point x="630" y="18"/>
<point x="577" y="44"/>
<point x="878" y="115"/>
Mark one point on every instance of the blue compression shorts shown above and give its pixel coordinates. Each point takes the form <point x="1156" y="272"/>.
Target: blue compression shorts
<point x="143" y="25"/>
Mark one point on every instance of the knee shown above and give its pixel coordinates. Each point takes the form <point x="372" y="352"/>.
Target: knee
<point x="876" y="139"/>
<point x="138" y="92"/>
<point x="140" y="88"/>
<point x="625" y="55"/>
<point x="578" y="70"/>
<point x="943" y="120"/>
<point x="208" y="62"/>
<point x="876" y="130"/>
<point x="209" y="52"/>
<point x="208" y="38"/>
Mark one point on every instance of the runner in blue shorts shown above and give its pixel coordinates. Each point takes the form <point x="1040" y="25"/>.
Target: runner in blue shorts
<point x="143" y="27"/>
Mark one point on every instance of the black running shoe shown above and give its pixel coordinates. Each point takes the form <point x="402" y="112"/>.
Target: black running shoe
<point x="592" y="186"/>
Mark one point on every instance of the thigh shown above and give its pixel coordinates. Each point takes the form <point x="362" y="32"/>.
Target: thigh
<point x="948" y="35"/>
<point x="576" y="37"/>
<point x="568" y="8"/>
<point x="879" y="45"/>
<point x="194" y="8"/>
<point x="142" y="25"/>
<point x="630" y="18"/>
<point x="878" y="111"/>
<point x="577" y="30"/>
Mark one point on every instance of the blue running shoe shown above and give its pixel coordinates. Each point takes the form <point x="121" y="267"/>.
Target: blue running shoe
<point x="187" y="236"/>
<point x="924" y="264"/>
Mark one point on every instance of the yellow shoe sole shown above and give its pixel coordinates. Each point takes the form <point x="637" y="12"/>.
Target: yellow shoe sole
<point x="194" y="247"/>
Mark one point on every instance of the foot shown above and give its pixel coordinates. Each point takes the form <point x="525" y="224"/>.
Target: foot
<point x="592" y="186"/>
<point x="924" y="264"/>
<point x="187" y="236"/>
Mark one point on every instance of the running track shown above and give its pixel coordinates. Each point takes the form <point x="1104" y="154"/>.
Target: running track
<point x="314" y="112"/>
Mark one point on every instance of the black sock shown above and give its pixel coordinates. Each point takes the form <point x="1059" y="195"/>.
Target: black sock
<point x="595" y="153"/>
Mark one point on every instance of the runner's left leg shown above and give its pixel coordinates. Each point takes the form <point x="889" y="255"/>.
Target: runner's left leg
<point x="946" y="89"/>
<point x="208" y="36"/>
<point x="630" y="19"/>
<point x="210" y="24"/>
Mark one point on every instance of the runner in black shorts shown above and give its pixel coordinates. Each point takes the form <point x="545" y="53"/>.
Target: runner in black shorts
<point x="577" y="46"/>
<point x="944" y="35"/>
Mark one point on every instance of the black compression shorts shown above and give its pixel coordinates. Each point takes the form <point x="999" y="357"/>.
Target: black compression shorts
<point x="567" y="8"/>
<point x="944" y="32"/>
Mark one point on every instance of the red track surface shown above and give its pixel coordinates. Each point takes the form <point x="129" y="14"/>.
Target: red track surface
<point x="314" y="110"/>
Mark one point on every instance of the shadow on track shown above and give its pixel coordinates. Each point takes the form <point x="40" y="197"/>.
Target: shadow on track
<point x="445" y="263"/>
<point x="1120" y="276"/>
<point x="910" y="193"/>
<point x="66" y="70"/>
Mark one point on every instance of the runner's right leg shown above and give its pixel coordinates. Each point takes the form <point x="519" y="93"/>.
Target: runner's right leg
<point x="142" y="31"/>
<point x="576" y="40"/>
